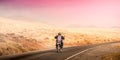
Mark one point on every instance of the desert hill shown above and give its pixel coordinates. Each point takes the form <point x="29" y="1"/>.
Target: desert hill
<point x="18" y="36"/>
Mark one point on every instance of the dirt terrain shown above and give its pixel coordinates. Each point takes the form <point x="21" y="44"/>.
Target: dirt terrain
<point x="17" y="36"/>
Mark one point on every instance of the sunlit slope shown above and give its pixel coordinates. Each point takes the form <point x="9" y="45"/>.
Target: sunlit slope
<point x="96" y="35"/>
<point x="38" y="31"/>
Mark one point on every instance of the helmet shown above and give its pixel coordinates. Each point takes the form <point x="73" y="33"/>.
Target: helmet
<point x="59" y="33"/>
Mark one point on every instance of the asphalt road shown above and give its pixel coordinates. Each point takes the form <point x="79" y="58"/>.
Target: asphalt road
<point x="50" y="54"/>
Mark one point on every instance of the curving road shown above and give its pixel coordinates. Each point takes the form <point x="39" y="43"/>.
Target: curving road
<point x="66" y="54"/>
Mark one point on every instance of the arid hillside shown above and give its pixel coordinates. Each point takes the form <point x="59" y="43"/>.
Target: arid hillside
<point x="18" y="36"/>
<point x="12" y="44"/>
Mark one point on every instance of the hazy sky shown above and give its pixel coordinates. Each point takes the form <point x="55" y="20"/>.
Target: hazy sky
<point x="67" y="13"/>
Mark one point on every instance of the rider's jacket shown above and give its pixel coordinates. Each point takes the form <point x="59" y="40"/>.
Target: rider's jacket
<point x="59" y="38"/>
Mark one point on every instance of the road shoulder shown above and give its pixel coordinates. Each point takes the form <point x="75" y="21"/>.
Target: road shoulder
<point x="96" y="53"/>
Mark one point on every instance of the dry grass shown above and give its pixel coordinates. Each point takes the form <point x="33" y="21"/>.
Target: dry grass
<point x="23" y="36"/>
<point x="112" y="56"/>
<point x="12" y="44"/>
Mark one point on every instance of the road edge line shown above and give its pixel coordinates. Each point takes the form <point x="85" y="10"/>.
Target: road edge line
<point x="78" y="53"/>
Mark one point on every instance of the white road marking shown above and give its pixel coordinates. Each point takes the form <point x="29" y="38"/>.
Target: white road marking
<point x="78" y="53"/>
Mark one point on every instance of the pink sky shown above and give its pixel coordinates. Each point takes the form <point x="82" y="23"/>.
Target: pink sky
<point x="72" y="13"/>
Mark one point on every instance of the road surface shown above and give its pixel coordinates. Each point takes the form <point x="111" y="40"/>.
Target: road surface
<point x="66" y="54"/>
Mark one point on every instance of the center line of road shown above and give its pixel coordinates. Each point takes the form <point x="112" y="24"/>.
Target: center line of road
<point x="77" y="53"/>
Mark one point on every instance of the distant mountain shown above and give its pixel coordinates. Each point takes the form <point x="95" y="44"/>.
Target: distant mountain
<point x="90" y="26"/>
